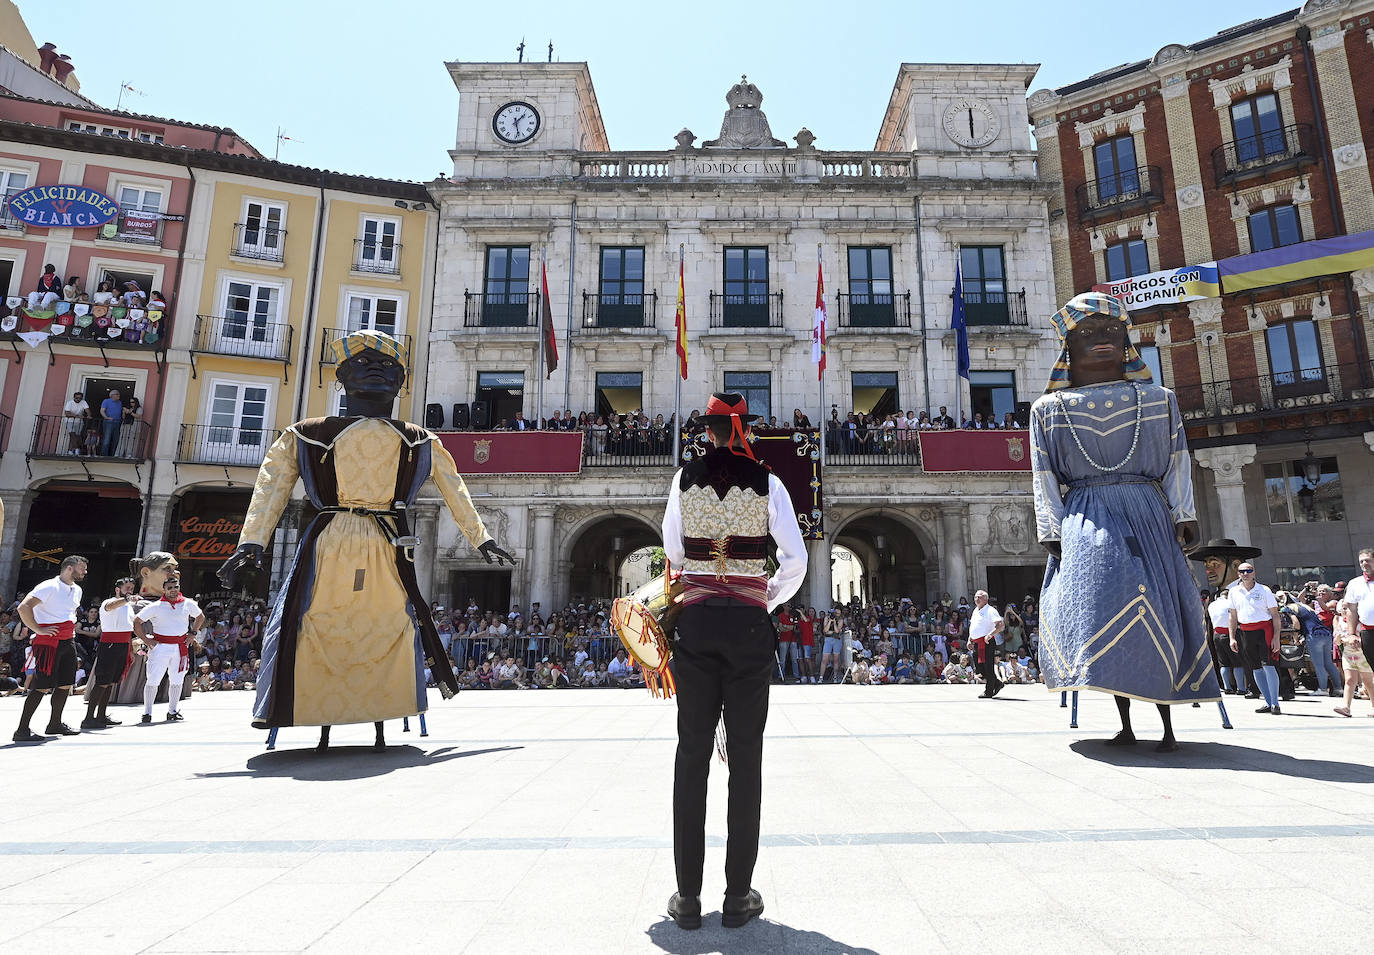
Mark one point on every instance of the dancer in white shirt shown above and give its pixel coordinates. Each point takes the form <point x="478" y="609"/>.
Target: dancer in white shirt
<point x="113" y="657"/>
<point x="171" y="618"/>
<point x="50" y="612"/>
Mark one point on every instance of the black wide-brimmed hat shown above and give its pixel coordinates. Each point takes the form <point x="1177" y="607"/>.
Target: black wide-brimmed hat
<point x="725" y="405"/>
<point x="1225" y="547"/>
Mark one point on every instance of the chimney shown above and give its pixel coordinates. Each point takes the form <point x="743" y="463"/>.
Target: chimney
<point x="47" y="54"/>
<point x="64" y="67"/>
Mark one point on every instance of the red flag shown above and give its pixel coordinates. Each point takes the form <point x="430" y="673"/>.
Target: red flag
<point x="818" y="329"/>
<point x="546" y="324"/>
<point x="681" y="322"/>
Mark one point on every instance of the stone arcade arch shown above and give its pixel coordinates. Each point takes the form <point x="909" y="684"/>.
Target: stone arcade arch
<point x="597" y="549"/>
<point x="895" y="550"/>
<point x="98" y="519"/>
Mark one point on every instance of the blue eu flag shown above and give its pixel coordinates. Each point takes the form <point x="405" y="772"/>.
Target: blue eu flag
<point x="957" y="323"/>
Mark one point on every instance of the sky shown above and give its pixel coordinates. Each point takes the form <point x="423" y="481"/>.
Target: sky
<point x="362" y="88"/>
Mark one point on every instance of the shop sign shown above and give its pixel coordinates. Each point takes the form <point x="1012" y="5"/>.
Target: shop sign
<point x="62" y="207"/>
<point x="204" y="538"/>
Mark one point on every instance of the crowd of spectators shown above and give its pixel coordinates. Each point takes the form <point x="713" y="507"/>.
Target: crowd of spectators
<point x="110" y="429"/>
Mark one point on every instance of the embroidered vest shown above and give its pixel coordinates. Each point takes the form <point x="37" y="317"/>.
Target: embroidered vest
<point x="724" y="495"/>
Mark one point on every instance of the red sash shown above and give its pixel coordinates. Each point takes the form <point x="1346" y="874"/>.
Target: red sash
<point x="116" y="636"/>
<point x="45" y="647"/>
<point x="180" y="642"/>
<point x="1267" y="628"/>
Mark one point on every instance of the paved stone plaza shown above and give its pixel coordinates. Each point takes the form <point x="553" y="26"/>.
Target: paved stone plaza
<point x="896" y="819"/>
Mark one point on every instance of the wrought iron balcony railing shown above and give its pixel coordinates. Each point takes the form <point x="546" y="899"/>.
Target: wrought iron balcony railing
<point x="762" y="310"/>
<point x="8" y="221"/>
<point x="1276" y="393"/>
<point x="58" y="436"/>
<point x="620" y="310"/>
<point x="259" y="242"/>
<point x="95" y="326"/>
<point x="1126" y="189"/>
<point x="984" y="308"/>
<point x="1289" y="147"/>
<point x="4" y="432"/>
<point x="377" y="256"/>
<point x="500" y="309"/>
<point x="242" y="336"/>
<point x="856" y="310"/>
<point x="213" y="444"/>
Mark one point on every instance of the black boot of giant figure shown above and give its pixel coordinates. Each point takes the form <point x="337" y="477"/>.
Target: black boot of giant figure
<point x="378" y="745"/>
<point x="1127" y="736"/>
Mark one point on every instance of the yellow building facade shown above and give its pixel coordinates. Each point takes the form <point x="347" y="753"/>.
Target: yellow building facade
<point x="280" y="261"/>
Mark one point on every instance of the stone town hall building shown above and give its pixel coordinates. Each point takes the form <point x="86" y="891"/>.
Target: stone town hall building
<point x="952" y="176"/>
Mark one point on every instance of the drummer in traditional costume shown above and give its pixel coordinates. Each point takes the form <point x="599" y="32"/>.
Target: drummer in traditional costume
<point x="722" y="508"/>
<point x="1119" y="611"/>
<point x="349" y="638"/>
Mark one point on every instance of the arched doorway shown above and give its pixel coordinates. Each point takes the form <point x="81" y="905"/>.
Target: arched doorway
<point x="892" y="558"/>
<point x="847" y="575"/>
<point x="601" y="553"/>
<point x="96" y="519"/>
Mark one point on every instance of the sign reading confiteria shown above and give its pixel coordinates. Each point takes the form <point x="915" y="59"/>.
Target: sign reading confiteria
<point x="58" y="207"/>
<point x="1188" y="284"/>
<point x="207" y="538"/>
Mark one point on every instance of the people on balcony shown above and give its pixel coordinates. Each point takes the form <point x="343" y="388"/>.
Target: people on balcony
<point x="133" y="296"/>
<point x="104" y="294"/>
<point x="130" y="428"/>
<point x="48" y="290"/>
<point x="111" y="418"/>
<point x="72" y="291"/>
<point x="75" y="416"/>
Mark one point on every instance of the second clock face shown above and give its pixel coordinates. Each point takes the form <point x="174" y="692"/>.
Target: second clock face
<point x="515" y="122"/>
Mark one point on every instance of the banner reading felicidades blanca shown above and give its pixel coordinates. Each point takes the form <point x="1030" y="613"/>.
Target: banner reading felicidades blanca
<point x="1188" y="284"/>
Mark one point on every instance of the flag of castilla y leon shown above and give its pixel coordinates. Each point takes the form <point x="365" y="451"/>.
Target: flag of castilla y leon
<point x="680" y="321"/>
<point x="818" y="329"/>
<point x="546" y="324"/>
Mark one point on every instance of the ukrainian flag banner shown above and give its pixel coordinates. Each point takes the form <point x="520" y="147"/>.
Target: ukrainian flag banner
<point x="1292" y="263"/>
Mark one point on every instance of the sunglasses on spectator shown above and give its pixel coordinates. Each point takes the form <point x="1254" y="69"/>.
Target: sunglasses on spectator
<point x="1246" y="570"/>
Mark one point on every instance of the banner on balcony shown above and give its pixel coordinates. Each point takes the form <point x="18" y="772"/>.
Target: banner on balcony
<point x="975" y="450"/>
<point x="794" y="456"/>
<point x="1188" y="284"/>
<point x="1302" y="260"/>
<point x="66" y="207"/>
<point x="514" y="452"/>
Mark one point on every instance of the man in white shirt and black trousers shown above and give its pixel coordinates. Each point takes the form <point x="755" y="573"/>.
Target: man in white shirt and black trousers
<point x="723" y="508"/>
<point x="50" y="612"/>
<point x="983" y="626"/>
<point x="1255" y="628"/>
<point x="171" y="618"/>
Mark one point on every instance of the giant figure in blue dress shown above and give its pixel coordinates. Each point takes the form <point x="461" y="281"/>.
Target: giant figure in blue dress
<point x="1119" y="611"/>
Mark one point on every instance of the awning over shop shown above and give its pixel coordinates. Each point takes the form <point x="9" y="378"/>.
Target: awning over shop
<point x="1292" y="263"/>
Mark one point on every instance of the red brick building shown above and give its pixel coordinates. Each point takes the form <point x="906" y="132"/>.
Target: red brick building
<point x="1241" y="162"/>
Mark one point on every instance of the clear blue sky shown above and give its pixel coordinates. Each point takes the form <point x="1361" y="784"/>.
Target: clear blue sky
<point x="361" y="87"/>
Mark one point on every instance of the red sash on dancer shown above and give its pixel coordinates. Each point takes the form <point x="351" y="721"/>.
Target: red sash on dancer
<point x="1221" y="631"/>
<point x="746" y="589"/>
<point x="116" y="636"/>
<point x="1267" y="628"/>
<point x="181" y="644"/>
<point x="45" y="647"/>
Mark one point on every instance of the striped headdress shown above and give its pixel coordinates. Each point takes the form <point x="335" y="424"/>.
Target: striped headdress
<point x="356" y="343"/>
<point x="1133" y="368"/>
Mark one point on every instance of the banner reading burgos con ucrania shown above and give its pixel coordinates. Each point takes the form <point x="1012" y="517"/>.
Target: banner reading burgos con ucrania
<point x="1188" y="284"/>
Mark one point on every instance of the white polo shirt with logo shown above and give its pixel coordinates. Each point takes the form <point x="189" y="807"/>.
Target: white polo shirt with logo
<point x="1252" y="606"/>
<point x="1360" y="592"/>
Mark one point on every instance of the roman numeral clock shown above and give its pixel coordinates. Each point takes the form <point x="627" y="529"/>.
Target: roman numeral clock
<point x="970" y="122"/>
<point x="515" y="123"/>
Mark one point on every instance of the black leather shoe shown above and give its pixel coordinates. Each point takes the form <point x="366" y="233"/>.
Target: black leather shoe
<point x="685" y="911"/>
<point x="110" y="722"/>
<point x="147" y="718"/>
<point x="1275" y="711"/>
<point x="174" y="717"/>
<point x="737" y="911"/>
<point x="1252" y="696"/>
<point x="27" y="735"/>
<point x="1265" y="709"/>
<point x="61" y="729"/>
<point x="92" y="724"/>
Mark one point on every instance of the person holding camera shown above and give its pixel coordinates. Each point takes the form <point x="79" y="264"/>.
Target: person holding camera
<point x="1316" y="634"/>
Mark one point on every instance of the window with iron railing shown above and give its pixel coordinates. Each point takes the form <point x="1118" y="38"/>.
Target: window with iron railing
<point x="620" y="287"/>
<point x="506" y="287"/>
<point x="261" y="234"/>
<point x="1295" y="358"/>
<point x="1116" y="167"/>
<point x="378" y="249"/>
<point x="746" y="287"/>
<point x="870" y="286"/>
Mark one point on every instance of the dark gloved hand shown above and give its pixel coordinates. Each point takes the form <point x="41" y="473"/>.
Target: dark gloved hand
<point x="490" y="549"/>
<point x="1052" y="547"/>
<point x="246" y="555"/>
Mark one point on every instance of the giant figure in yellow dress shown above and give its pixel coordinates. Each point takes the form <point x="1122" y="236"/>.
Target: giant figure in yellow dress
<point x="350" y="635"/>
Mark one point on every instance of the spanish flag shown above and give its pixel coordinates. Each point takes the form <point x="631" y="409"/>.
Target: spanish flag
<point x="680" y="321"/>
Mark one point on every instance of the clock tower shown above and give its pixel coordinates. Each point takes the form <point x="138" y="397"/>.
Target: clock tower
<point x="951" y="110"/>
<point x="515" y="118"/>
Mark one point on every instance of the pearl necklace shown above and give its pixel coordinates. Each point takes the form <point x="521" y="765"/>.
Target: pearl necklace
<point x="1135" y="440"/>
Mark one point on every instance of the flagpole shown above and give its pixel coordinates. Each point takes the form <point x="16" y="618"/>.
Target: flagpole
<point x="677" y="365"/>
<point x="820" y="375"/>
<point x="543" y="283"/>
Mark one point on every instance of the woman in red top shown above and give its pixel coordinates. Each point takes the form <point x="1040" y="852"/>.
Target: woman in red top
<point x="806" y="629"/>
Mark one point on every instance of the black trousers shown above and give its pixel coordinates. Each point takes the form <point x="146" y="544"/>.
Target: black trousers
<point x="988" y="668"/>
<point x="722" y="662"/>
<point x="1367" y="642"/>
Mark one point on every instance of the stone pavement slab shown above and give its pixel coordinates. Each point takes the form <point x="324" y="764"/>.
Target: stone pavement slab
<point x="895" y="819"/>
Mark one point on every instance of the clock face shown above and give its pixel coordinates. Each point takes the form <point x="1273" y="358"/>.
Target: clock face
<point x="515" y="123"/>
<point x="971" y="123"/>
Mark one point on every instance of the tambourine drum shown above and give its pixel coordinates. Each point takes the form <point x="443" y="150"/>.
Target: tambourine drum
<point x="643" y="621"/>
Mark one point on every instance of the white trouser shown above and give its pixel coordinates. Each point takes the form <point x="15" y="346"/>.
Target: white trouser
<point x="164" y="659"/>
<point x="43" y="300"/>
